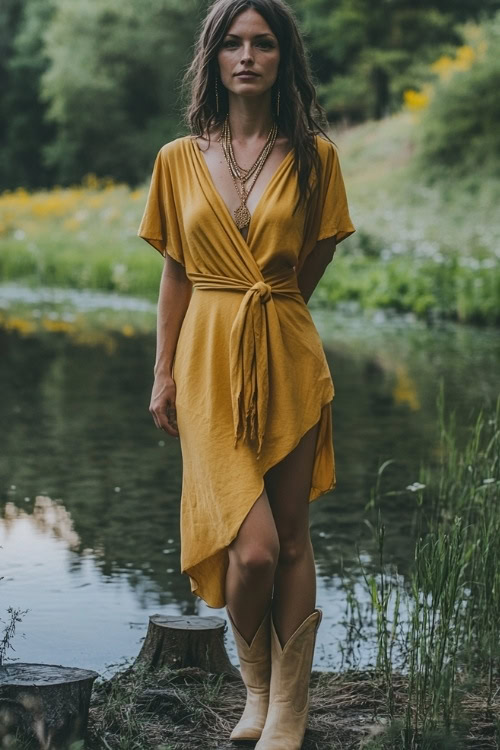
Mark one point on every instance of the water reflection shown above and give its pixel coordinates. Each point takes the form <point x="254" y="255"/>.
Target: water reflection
<point x="90" y="489"/>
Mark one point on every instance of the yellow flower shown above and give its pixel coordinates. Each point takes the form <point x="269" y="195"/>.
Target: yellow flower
<point x="465" y="56"/>
<point x="127" y="330"/>
<point x="24" y="327"/>
<point x="415" y="100"/>
<point x="57" y="326"/>
<point x="443" y="66"/>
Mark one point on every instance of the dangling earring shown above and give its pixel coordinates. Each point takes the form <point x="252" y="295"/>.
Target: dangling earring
<point x="216" y="94"/>
<point x="278" y="104"/>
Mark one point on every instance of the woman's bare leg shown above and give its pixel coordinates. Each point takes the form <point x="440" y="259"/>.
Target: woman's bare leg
<point x="253" y="557"/>
<point x="288" y="484"/>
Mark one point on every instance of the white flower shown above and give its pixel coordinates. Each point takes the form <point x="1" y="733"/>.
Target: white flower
<point x="415" y="486"/>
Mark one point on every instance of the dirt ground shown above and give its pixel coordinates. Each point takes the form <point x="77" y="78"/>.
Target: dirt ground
<point x="188" y="708"/>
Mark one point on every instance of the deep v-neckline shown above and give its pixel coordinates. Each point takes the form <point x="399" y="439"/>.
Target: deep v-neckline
<point x="223" y="203"/>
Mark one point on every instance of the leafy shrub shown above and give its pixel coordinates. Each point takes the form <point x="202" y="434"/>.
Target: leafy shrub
<point x="458" y="132"/>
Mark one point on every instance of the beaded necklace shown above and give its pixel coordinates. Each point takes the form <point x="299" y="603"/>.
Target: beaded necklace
<point x="241" y="176"/>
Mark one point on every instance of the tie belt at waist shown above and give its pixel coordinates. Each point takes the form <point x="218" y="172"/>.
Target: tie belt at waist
<point x="248" y="346"/>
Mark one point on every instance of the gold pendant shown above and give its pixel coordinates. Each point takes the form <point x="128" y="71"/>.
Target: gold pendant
<point x="242" y="216"/>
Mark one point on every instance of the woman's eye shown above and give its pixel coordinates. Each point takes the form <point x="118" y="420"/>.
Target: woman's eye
<point x="231" y="44"/>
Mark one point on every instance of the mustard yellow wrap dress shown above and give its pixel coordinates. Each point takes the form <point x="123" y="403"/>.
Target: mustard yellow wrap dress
<point x="250" y="370"/>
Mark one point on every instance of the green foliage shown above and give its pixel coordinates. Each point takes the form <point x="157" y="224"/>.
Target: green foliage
<point x="453" y="600"/>
<point x="23" y="128"/>
<point x="431" y="251"/>
<point x="94" y="86"/>
<point x="459" y="132"/>
<point x="361" y="49"/>
<point x="112" y="89"/>
<point x="428" y="288"/>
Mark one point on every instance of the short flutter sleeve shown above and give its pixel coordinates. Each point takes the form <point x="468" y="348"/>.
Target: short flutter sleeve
<point x="335" y="220"/>
<point x="328" y="212"/>
<point x="160" y="223"/>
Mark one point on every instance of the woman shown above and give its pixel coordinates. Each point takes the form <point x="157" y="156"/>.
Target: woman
<point x="247" y="212"/>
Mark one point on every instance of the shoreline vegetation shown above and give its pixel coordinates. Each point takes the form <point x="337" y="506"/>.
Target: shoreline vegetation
<point x="431" y="251"/>
<point x="178" y="711"/>
<point x="435" y="632"/>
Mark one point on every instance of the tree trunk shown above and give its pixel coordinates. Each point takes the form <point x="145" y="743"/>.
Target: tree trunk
<point x="177" y="642"/>
<point x="46" y="703"/>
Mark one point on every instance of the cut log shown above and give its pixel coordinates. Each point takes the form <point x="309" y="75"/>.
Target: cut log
<point x="45" y="704"/>
<point x="176" y="642"/>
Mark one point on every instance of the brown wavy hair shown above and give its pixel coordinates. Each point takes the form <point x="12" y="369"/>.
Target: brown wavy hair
<point x="300" y="112"/>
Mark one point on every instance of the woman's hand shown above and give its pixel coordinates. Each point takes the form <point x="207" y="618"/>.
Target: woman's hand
<point x="162" y="405"/>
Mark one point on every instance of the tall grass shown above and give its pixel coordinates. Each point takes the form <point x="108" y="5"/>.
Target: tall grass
<point x="451" y="598"/>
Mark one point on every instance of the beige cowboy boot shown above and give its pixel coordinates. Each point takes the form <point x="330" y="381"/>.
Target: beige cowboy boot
<point x="255" y="666"/>
<point x="289" y="691"/>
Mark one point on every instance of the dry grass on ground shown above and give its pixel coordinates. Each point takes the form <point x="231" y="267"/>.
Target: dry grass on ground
<point x="186" y="709"/>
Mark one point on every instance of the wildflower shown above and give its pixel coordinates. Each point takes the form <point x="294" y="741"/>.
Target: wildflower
<point x="415" y="100"/>
<point x="127" y="330"/>
<point x="415" y="487"/>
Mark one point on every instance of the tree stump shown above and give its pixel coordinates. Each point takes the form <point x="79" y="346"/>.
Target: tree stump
<point x="177" y="642"/>
<point x="46" y="704"/>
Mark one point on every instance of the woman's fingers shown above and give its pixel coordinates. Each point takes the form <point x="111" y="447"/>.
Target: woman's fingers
<point x="165" y="418"/>
<point x="162" y="406"/>
<point x="169" y="422"/>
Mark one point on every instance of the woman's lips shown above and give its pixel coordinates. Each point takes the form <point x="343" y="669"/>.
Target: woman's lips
<point x="247" y="75"/>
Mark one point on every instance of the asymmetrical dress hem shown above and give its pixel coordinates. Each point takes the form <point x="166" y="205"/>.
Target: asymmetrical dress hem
<point x="315" y="493"/>
<point x="248" y="352"/>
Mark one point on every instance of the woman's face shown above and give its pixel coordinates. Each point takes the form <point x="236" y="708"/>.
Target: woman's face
<point x="250" y="47"/>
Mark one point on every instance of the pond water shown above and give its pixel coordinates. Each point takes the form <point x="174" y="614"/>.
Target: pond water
<point x="89" y="489"/>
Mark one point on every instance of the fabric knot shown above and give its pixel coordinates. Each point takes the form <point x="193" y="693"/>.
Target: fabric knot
<point x="253" y="328"/>
<point x="263" y="289"/>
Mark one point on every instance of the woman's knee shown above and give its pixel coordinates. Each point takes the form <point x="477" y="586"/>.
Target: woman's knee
<point x="257" y="558"/>
<point x="293" y="547"/>
<point x="256" y="546"/>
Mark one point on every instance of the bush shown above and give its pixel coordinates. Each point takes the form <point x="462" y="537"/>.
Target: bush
<point x="459" y="130"/>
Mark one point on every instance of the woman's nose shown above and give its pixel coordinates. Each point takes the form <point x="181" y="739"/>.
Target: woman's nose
<point x="247" y="54"/>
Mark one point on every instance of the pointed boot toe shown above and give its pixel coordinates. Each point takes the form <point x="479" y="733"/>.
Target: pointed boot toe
<point x="255" y="666"/>
<point x="288" y="710"/>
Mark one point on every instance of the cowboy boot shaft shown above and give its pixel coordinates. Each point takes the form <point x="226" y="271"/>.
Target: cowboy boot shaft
<point x="255" y="661"/>
<point x="255" y="667"/>
<point x="289" y="690"/>
<point x="292" y="665"/>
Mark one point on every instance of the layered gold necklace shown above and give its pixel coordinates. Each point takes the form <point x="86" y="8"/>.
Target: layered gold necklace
<point x="242" y="176"/>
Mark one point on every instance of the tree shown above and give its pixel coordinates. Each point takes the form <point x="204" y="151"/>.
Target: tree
<point x="23" y="128"/>
<point x="112" y="89"/>
<point x="362" y="49"/>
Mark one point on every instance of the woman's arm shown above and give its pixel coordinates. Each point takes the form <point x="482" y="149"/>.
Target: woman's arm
<point x="173" y="301"/>
<point x="314" y="266"/>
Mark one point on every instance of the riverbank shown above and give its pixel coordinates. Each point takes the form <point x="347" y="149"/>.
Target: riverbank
<point x="171" y="710"/>
<point x="408" y="556"/>
<point x="429" y="250"/>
